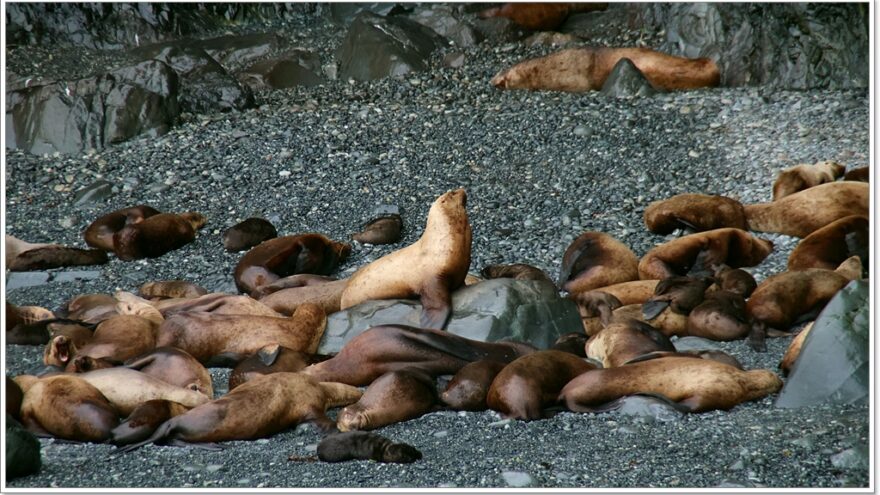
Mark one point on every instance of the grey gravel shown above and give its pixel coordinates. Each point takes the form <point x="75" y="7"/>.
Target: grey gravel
<point x="323" y="158"/>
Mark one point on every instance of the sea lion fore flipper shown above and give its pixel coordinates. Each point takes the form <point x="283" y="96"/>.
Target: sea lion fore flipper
<point x="436" y="305"/>
<point x="269" y="354"/>
<point x="756" y="337"/>
<point x="650" y="309"/>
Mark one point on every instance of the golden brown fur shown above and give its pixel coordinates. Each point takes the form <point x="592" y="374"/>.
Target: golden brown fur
<point x="68" y="407"/>
<point x="468" y="388"/>
<point x="829" y="246"/>
<point x="699" y="212"/>
<point x="174" y="366"/>
<point x="289" y="255"/>
<point x="803" y="176"/>
<point x="620" y="342"/>
<point x="594" y="260"/>
<point x="126" y="389"/>
<point x="171" y="289"/>
<point x="794" y="350"/>
<point x="733" y="247"/>
<point x="393" y="397"/>
<point x="328" y="296"/>
<point x="804" y="212"/>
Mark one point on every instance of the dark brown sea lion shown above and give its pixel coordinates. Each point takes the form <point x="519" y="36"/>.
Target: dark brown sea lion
<point x="68" y="407"/>
<point x="532" y="382"/>
<point x="594" y="260"/>
<point x="735" y="280"/>
<point x="586" y="69"/>
<point x="829" y="246"/>
<point x="619" y="343"/>
<point x="734" y="247"/>
<point x="144" y="420"/>
<point x="794" y="350"/>
<point x="99" y="234"/>
<point x="861" y="174"/>
<point x="595" y="304"/>
<point x="396" y="396"/>
<point x="680" y="294"/>
<point x="721" y="316"/>
<point x="289" y="255"/>
<point x="517" y="271"/>
<point x="293" y="281"/>
<point x="261" y="407"/>
<point x="225" y="340"/>
<point x="362" y="445"/>
<point x="386" y="348"/>
<point x="166" y="289"/>
<point x="696" y="384"/>
<point x="540" y="16"/>
<point x="573" y="342"/>
<point x="157" y="235"/>
<point x="697" y="212"/>
<point x="431" y="268"/>
<point x="468" y="388"/>
<point x="804" y="212"/>
<point x="248" y="233"/>
<point x="126" y="389"/>
<point x="327" y="296"/>
<point x="383" y="230"/>
<point x="803" y="176"/>
<point x="272" y="359"/>
<point x="14" y="396"/>
<point x="174" y="366"/>
<point x="24" y="256"/>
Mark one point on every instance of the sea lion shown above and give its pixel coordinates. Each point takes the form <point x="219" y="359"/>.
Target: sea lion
<point x="362" y="445"/>
<point x="225" y="340"/>
<point x="248" y="233"/>
<point x="431" y="268"/>
<point x="540" y="16"/>
<point x="721" y="316"/>
<point x="516" y="271"/>
<point x="695" y="252"/>
<point x="803" y="176"/>
<point x="288" y="255"/>
<point x="381" y="349"/>
<point x="595" y="305"/>
<point x="116" y="339"/>
<point x="272" y="359"/>
<point x="327" y="296"/>
<point x="697" y="212"/>
<point x="383" y="230"/>
<point x="667" y="321"/>
<point x="157" y="235"/>
<point x="594" y="260"/>
<point x="532" y="382"/>
<point x="829" y="246"/>
<point x="144" y="420"/>
<point x="261" y="407"/>
<point x="861" y="174"/>
<point x="174" y="366"/>
<point x="804" y="212"/>
<point x="90" y="308"/>
<point x="794" y="349"/>
<point x="586" y="69"/>
<point x="573" y="342"/>
<point x="68" y="407"/>
<point x="695" y="384"/>
<point x="396" y="396"/>
<point x="27" y="325"/>
<point x="734" y="280"/>
<point x="216" y="303"/>
<point x="632" y="292"/>
<point x="14" y="396"/>
<point x="168" y="289"/>
<point x="468" y="388"/>
<point x="619" y="343"/>
<point x="24" y="256"/>
<point x="680" y="294"/>
<point x="99" y="234"/>
<point x="293" y="281"/>
<point x="126" y="389"/>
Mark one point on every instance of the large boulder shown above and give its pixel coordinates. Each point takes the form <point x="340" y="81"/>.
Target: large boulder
<point x="833" y="362"/>
<point x="22" y="450"/>
<point x="446" y="20"/>
<point x="234" y="50"/>
<point x="492" y="310"/>
<point x="293" y="68"/>
<point x="626" y="81"/>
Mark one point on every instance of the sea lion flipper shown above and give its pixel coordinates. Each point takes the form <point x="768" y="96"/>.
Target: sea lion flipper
<point x="652" y="308"/>
<point x="756" y="337"/>
<point x="268" y="354"/>
<point x="136" y="363"/>
<point x="436" y="305"/>
<point x="214" y="447"/>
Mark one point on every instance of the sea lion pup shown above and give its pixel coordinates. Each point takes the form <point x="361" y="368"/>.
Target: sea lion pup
<point x="157" y="235"/>
<point x="327" y="296"/>
<point x="362" y="445"/>
<point x="532" y="382"/>
<point x="261" y="407"/>
<point x="174" y="366"/>
<point x="216" y="303"/>
<point x="144" y="420"/>
<point x="431" y="268"/>
<point x="721" y="316"/>
<point x="697" y="212"/>
<point x="225" y="340"/>
<point x="171" y="289"/>
<point x="516" y="271"/>
<point x="586" y="69"/>
<point x="99" y="234"/>
<point x="396" y="396"/>
<point x="288" y="255"/>
<point x="126" y="389"/>
<point x="680" y="294"/>
<point x="468" y="388"/>
<point x="803" y="176"/>
<point x="594" y="260"/>
<point x="383" y="230"/>
<point x="829" y="246"/>
<point x="272" y="359"/>
<point x="794" y="350"/>
<point x="734" y="280"/>
<point x="291" y="282"/>
<point x="619" y="343"/>
<point x="696" y="384"/>
<point x="540" y="16"/>
<point x="861" y="174"/>
<point x="23" y="256"/>
<point x="695" y="252"/>
<point x="248" y="233"/>
<point x="66" y="406"/>
<point x="573" y="343"/>
<point x="14" y="395"/>
<point x="804" y="212"/>
<point x="381" y="349"/>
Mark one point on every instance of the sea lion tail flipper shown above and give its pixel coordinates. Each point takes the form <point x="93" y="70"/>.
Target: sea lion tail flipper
<point x="436" y="305"/>
<point x="268" y="354"/>
<point x="339" y="394"/>
<point x="652" y="308"/>
<point x="161" y="432"/>
<point x="651" y="355"/>
<point x="136" y="363"/>
<point x="756" y="337"/>
<point x="214" y="447"/>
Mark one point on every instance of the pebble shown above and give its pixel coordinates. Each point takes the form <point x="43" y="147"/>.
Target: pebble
<point x="517" y="479"/>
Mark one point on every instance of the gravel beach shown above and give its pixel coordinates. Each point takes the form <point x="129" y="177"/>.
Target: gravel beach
<point x="539" y="168"/>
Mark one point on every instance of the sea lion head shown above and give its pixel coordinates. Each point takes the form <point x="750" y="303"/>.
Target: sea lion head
<point x="81" y="364"/>
<point x="401" y="452"/>
<point x="352" y="417"/>
<point x="195" y="219"/>
<point x="341" y="249"/>
<point x="59" y="351"/>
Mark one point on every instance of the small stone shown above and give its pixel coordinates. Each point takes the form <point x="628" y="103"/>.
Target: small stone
<point x="284" y="173"/>
<point x="213" y="468"/>
<point x="238" y="134"/>
<point x="503" y="422"/>
<point x="516" y="479"/>
<point x="693" y="154"/>
<point x="441" y="434"/>
<point x="453" y="60"/>
<point x="738" y="465"/>
<point x="851" y="458"/>
<point x="582" y="131"/>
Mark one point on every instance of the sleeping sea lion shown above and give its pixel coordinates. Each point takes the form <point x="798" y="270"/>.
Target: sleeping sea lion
<point x="90" y="308"/>
<point x="327" y="296"/>
<point x="667" y="321"/>
<point x="14" y="395"/>
<point x="396" y="396"/>
<point x="829" y="246"/>
<point x="288" y="255"/>
<point x="697" y="212"/>
<point x="24" y="256"/>
<point x="632" y="292"/>
<point x="619" y="343"/>
<point x="803" y="176"/>
<point x="516" y="271"/>
<point x="468" y="388"/>
<point x="171" y="289"/>
<point x="721" y="316"/>
<point x="293" y="281"/>
<point x="573" y="342"/>
<point x="157" y="235"/>
<point x="247" y="234"/>
<point x="126" y="389"/>
<point x="99" y="234"/>
<point x="695" y="252"/>
<point x="540" y="16"/>
<point x="174" y="366"/>
<point x="66" y="406"/>
<point x="594" y="260"/>
<point x="144" y="420"/>
<point x="362" y="445"/>
<point x="272" y="359"/>
<point x="861" y="174"/>
<point x="804" y="212"/>
<point x="596" y="304"/>
<point x="383" y="230"/>
<point x="216" y="303"/>
<point x="680" y="294"/>
<point x="735" y="280"/>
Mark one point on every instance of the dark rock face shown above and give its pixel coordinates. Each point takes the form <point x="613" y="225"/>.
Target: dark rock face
<point x="294" y="68"/>
<point x="93" y="112"/>
<point x="377" y="47"/>
<point x="345" y="12"/>
<point x="446" y="21"/>
<point x="626" y="80"/>
<point x="238" y="50"/>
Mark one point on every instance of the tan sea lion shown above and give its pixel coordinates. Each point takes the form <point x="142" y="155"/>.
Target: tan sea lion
<point x="586" y="69"/>
<point x="829" y="246"/>
<point x="225" y="340"/>
<point x="667" y="321"/>
<point x="362" y="445"/>
<point x="532" y="382"/>
<point x="396" y="396"/>
<point x="272" y="359"/>
<point x="540" y="16"/>
<point x="632" y="292"/>
<point x="596" y="305"/>
<point x="804" y="212"/>
<point x="68" y="407"/>
<point x="697" y="212"/>
<point x="216" y="303"/>
<point x="431" y="268"/>
<point x="116" y="339"/>
<point x="794" y="350"/>
<point x="594" y="260"/>
<point x="861" y="174"/>
<point x="327" y="296"/>
<point x="22" y="256"/>
<point x="383" y="230"/>
<point x="721" y="316"/>
<point x="174" y="366"/>
<point x="157" y="235"/>
<point x="734" y="247"/>
<point x="99" y="234"/>
<point x="126" y="389"/>
<point x="91" y="308"/>
<point x="803" y="176"/>
<point x="696" y="384"/>
<point x="619" y="343"/>
<point x="468" y="388"/>
<point x="248" y="233"/>
<point x="144" y="420"/>
<point x="27" y="325"/>
<point x="288" y="255"/>
<point x="167" y="289"/>
<point x="293" y="281"/>
<point x="381" y="349"/>
<point x="516" y="271"/>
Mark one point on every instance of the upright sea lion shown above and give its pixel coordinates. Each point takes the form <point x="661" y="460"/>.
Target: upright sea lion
<point x="734" y="247"/>
<point x="68" y="407"/>
<point x="619" y="343"/>
<point x="386" y="348"/>
<point x="99" y="234"/>
<point x="126" y="389"/>
<point x="861" y="174"/>
<point x="698" y="212"/>
<point x="540" y="16"/>
<point x="532" y="382"/>
<point x="289" y="255"/>
<point x="167" y="289"/>
<point x="272" y="359"/>
<point x="432" y="267"/>
<point x="24" y="256"/>
<point x="327" y="296"/>
<point x="383" y="230"/>
<point x="803" y="176"/>
<point x="396" y="396"/>
<point x="248" y="233"/>
<point x="157" y="235"/>
<point x="696" y="384"/>
<point x="594" y="260"/>
<point x="804" y="212"/>
<point x="144" y="420"/>
<point x="829" y="246"/>
<point x="174" y="366"/>
<point x="516" y="271"/>
<point x="468" y="388"/>
<point x="721" y="316"/>
<point x="362" y="445"/>
<point x="586" y="69"/>
<point x="680" y="294"/>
